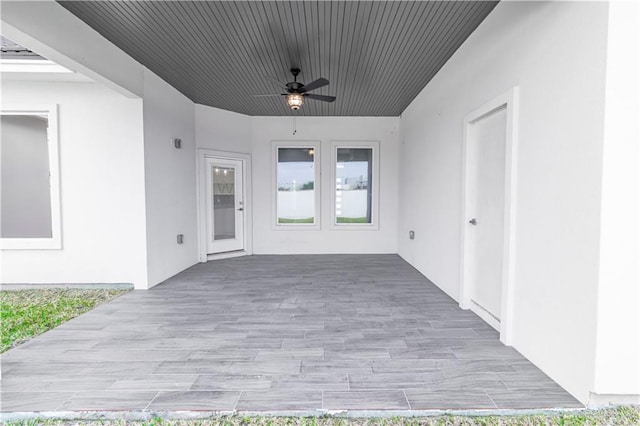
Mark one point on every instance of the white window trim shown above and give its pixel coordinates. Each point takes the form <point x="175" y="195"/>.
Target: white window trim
<point x="55" y="242"/>
<point x="315" y="144"/>
<point x="375" y="195"/>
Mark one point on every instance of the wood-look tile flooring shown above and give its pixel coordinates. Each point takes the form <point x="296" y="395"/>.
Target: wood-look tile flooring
<point x="277" y="333"/>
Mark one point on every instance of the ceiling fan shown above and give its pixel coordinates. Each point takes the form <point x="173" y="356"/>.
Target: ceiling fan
<point x="297" y="91"/>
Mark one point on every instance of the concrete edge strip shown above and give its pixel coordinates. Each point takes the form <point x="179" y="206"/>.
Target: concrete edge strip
<point x="79" y="286"/>
<point x="195" y="415"/>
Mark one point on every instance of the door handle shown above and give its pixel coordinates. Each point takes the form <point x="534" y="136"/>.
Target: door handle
<point x="240" y="209"/>
<point x="473" y="221"/>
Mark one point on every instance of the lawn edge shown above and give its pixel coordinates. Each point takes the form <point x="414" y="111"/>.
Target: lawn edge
<point x="144" y="415"/>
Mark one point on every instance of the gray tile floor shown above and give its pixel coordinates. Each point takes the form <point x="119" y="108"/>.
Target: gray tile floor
<point x="359" y="332"/>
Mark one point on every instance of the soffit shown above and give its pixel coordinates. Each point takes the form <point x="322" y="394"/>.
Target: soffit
<point x="377" y="55"/>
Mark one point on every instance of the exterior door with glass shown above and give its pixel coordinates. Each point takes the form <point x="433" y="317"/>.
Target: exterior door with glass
<point x="225" y="205"/>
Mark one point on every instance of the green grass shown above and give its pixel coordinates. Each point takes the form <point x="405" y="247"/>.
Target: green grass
<point x="26" y="313"/>
<point x="622" y="416"/>
<point x="338" y="220"/>
<point x="304" y="220"/>
<point x="351" y="220"/>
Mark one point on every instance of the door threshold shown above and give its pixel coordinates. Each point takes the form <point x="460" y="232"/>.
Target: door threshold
<point x="485" y="315"/>
<point x="226" y="255"/>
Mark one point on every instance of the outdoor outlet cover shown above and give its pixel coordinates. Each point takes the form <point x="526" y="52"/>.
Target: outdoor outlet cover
<point x="412" y="235"/>
<point x="180" y="238"/>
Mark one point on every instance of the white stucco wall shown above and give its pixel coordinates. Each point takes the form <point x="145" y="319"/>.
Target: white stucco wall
<point x="101" y="183"/>
<point x="168" y="192"/>
<point x="555" y="53"/>
<point x="324" y="240"/>
<point x="170" y="179"/>
<point x="618" y="333"/>
<point x="222" y="130"/>
<point x="52" y="31"/>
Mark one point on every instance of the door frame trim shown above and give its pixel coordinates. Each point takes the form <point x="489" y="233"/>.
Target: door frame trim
<point x="508" y="100"/>
<point x="201" y="156"/>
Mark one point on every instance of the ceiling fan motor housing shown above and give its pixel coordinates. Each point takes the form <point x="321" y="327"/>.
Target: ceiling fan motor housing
<point x="294" y="87"/>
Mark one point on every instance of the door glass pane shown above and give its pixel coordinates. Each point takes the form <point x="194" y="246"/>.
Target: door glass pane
<point x="25" y="182"/>
<point x="224" y="203"/>
<point x="296" y="186"/>
<point x="353" y="185"/>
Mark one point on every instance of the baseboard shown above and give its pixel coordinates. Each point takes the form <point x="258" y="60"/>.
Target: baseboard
<point x="599" y="400"/>
<point x="485" y="315"/>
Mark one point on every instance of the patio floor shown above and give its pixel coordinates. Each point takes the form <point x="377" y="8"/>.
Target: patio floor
<point x="277" y="333"/>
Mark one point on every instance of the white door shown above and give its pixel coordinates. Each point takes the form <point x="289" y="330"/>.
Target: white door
<point x="486" y="145"/>
<point x="224" y="205"/>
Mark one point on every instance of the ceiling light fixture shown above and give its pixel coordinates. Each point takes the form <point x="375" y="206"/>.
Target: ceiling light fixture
<point x="295" y="101"/>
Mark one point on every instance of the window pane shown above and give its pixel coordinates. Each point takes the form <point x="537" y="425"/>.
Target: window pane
<point x="224" y="203"/>
<point x="353" y="185"/>
<point x="296" y="186"/>
<point x="26" y="197"/>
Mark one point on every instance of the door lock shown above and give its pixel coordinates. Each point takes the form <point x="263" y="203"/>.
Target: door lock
<point x="473" y="221"/>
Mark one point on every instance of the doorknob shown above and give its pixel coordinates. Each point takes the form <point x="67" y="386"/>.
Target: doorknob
<point x="240" y="209"/>
<point x="473" y="221"/>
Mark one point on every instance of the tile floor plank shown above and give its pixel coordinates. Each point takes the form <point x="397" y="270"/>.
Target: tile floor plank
<point x="372" y="399"/>
<point x="280" y="400"/>
<point x="458" y="399"/>
<point x="277" y="333"/>
<point x="195" y="401"/>
<point x="107" y="400"/>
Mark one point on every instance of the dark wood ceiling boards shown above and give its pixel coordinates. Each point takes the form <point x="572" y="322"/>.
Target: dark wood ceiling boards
<point x="377" y="55"/>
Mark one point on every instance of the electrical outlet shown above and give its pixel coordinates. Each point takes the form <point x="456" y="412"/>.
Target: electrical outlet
<point x="177" y="143"/>
<point x="412" y="235"/>
<point x="180" y="238"/>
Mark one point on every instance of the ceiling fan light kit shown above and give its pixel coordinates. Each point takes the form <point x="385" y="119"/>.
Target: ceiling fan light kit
<point x="297" y="91"/>
<point x="295" y="101"/>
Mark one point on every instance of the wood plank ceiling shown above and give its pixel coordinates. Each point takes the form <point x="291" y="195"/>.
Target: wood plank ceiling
<point x="377" y="55"/>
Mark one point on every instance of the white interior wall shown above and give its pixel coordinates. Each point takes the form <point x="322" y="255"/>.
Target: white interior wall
<point x="618" y="334"/>
<point x="555" y="53"/>
<point x="102" y="188"/>
<point x="170" y="179"/>
<point x="222" y="130"/>
<point x="267" y="240"/>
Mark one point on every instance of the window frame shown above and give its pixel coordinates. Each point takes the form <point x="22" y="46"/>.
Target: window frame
<point x="317" y="185"/>
<point x="375" y="190"/>
<point x="55" y="241"/>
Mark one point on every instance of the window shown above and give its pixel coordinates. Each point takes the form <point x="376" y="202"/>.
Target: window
<point x="355" y="184"/>
<point x="30" y="203"/>
<point x="297" y="179"/>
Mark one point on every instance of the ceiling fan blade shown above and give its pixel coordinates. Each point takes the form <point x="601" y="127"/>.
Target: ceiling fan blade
<point x="322" y="98"/>
<point x="269" y="95"/>
<point x="316" y="84"/>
